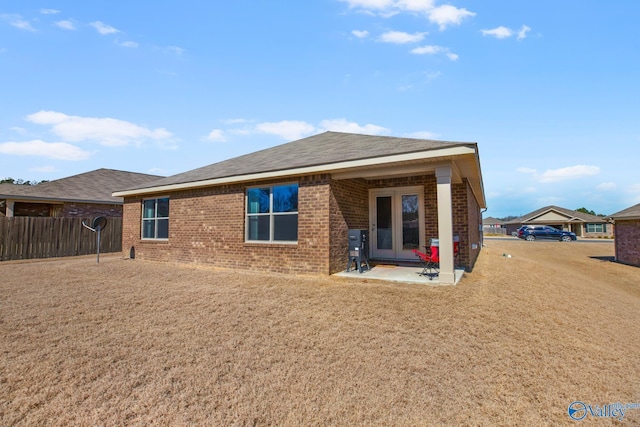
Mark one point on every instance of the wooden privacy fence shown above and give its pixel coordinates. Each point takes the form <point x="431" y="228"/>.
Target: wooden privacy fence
<point x="30" y="237"/>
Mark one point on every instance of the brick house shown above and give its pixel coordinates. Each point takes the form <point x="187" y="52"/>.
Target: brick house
<point x="627" y="240"/>
<point x="83" y="195"/>
<point x="582" y="224"/>
<point x="289" y="208"/>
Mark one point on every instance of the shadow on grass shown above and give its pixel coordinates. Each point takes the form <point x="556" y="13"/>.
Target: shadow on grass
<point x="604" y="258"/>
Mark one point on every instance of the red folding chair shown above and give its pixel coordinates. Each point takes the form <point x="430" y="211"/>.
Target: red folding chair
<point x="430" y="262"/>
<point x="456" y="250"/>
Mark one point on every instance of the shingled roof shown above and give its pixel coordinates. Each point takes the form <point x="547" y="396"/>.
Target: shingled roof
<point x="572" y="216"/>
<point x="90" y="187"/>
<point x="630" y="213"/>
<point x="329" y="148"/>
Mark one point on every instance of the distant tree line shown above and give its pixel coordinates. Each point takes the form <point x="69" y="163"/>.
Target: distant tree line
<point x="19" y="181"/>
<point x="588" y="211"/>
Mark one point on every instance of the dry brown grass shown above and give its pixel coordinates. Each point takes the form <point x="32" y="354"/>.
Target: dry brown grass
<point x="139" y="343"/>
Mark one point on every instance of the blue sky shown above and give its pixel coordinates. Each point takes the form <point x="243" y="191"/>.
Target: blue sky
<point x="549" y="90"/>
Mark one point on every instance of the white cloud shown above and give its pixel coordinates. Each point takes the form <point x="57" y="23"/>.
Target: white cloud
<point x="49" y="11"/>
<point x="18" y="130"/>
<point x="443" y="15"/>
<point x="106" y="131"/>
<point x="561" y="174"/>
<point x="448" y="15"/>
<point x="216" y="135"/>
<point x="370" y="4"/>
<point x="175" y="49"/>
<point x="287" y="129"/>
<point x="498" y="32"/>
<point x="234" y="121"/>
<point x="606" y="186"/>
<point x="54" y="150"/>
<point x="423" y="6"/>
<point x="522" y="34"/>
<point x="423" y="135"/>
<point x="17" y="22"/>
<point x="526" y="170"/>
<point x="44" y="169"/>
<point x="399" y="37"/>
<point x="128" y="44"/>
<point x="427" y="50"/>
<point x="570" y="172"/>
<point x="104" y="29"/>
<point x="634" y="188"/>
<point x="157" y="171"/>
<point x="433" y="50"/>
<point x="360" y="34"/>
<point x="65" y="25"/>
<point x="342" y="125"/>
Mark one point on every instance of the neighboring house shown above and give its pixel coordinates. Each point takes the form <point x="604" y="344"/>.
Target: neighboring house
<point x="492" y="225"/>
<point x="84" y="195"/>
<point x="289" y="208"/>
<point x="583" y="224"/>
<point x="627" y="241"/>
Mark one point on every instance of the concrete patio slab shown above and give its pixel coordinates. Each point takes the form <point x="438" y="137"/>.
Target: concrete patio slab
<point x="397" y="273"/>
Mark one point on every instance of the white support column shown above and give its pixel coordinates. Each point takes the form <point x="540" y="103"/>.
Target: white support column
<point x="445" y="224"/>
<point x="10" y="207"/>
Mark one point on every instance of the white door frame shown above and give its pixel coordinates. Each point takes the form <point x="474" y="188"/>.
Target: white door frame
<point x="396" y="193"/>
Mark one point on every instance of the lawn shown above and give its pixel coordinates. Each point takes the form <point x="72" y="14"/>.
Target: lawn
<point x="129" y="342"/>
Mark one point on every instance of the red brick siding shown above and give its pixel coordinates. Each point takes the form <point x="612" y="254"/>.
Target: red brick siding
<point x="88" y="210"/>
<point x="31" y="209"/>
<point x="474" y="222"/>
<point x="627" y="242"/>
<point x="349" y="208"/>
<point x="67" y="210"/>
<point x="207" y="226"/>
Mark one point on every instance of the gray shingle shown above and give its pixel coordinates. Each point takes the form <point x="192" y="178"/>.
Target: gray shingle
<point x="322" y="149"/>
<point x="95" y="186"/>
<point x="632" y="212"/>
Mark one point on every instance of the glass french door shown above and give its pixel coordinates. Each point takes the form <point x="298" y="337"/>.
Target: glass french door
<point x="396" y="222"/>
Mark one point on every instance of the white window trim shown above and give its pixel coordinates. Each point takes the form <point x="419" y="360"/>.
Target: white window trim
<point x="142" y="219"/>
<point x="595" y="224"/>
<point x="270" y="214"/>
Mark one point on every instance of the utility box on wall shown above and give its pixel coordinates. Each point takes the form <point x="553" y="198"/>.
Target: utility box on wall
<point x="358" y="249"/>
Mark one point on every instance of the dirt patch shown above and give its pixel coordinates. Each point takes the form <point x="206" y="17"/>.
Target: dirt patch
<point x="138" y="343"/>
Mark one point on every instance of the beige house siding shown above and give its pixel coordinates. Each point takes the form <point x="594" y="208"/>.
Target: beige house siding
<point x="207" y="225"/>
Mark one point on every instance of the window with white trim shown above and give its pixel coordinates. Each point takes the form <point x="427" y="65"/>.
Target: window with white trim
<point x="596" y="228"/>
<point x="272" y="214"/>
<point x="155" y="218"/>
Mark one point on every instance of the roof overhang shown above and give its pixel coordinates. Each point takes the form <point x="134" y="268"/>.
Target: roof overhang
<point x="40" y="199"/>
<point x="624" y="218"/>
<point x="464" y="161"/>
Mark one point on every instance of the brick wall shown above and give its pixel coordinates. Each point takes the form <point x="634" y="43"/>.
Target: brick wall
<point x="32" y="209"/>
<point x="208" y="225"/>
<point x="67" y="210"/>
<point x="474" y="223"/>
<point x="627" y="242"/>
<point x="89" y="210"/>
<point x="348" y="208"/>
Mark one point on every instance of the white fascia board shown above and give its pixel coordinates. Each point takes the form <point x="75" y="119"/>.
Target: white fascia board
<point x="454" y="151"/>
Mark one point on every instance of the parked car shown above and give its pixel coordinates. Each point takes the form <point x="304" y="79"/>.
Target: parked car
<point x="535" y="232"/>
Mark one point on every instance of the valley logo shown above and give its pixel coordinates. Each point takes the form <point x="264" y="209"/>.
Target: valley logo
<point x="579" y="410"/>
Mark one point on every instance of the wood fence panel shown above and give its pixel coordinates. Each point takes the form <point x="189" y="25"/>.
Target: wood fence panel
<point x="31" y="237"/>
